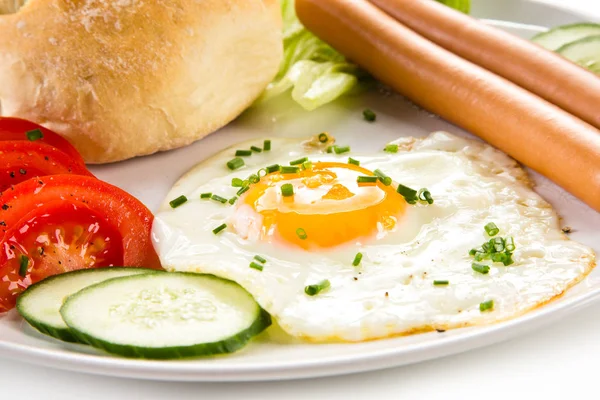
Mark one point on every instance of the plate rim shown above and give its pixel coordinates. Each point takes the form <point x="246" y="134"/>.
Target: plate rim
<point x="340" y="364"/>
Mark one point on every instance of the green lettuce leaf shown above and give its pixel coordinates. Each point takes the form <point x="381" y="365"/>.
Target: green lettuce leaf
<point x="312" y="71"/>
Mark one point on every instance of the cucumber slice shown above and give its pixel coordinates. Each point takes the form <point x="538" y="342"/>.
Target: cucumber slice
<point x="585" y="52"/>
<point x="40" y="303"/>
<point x="558" y="37"/>
<point x="162" y="316"/>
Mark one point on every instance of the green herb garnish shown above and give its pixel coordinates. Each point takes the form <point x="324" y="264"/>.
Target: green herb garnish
<point x="206" y="195"/>
<point x="23" y="265"/>
<point x="441" y="283"/>
<point x="410" y="195"/>
<point x="492" y="229"/>
<point x="481" y="268"/>
<point x="243" y="190"/>
<point x="353" y="161"/>
<point x="289" y="170"/>
<point x="357" y="259"/>
<point x="235" y="163"/>
<point x="313" y="290"/>
<point x="369" y="115"/>
<point x="323" y="137"/>
<point x="256" y="266"/>
<point x="267" y="145"/>
<point x="256" y="149"/>
<point x="34" y="135"/>
<point x="367" y="179"/>
<point x="299" y="161"/>
<point x="273" y="168"/>
<point x="233" y="200"/>
<point x="260" y="259"/>
<point x="237" y="182"/>
<point x="218" y="198"/>
<point x="424" y="196"/>
<point x="243" y="153"/>
<point x="301" y="233"/>
<point x="178" y="201"/>
<point x="341" y="149"/>
<point x="391" y="148"/>
<point x="386" y="180"/>
<point x="287" y="190"/>
<point x="486" y="306"/>
<point x="219" y="228"/>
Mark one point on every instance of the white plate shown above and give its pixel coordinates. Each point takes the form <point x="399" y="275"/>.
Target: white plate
<point x="272" y="356"/>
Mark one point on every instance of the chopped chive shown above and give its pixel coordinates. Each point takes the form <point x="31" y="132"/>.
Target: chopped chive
<point x="480" y="256"/>
<point x="301" y="233"/>
<point x="289" y="170"/>
<point x="252" y="179"/>
<point x="425" y="196"/>
<point x="256" y="266"/>
<point x="391" y="148"/>
<point x="498" y="244"/>
<point x="341" y="149"/>
<point x="313" y="290"/>
<point x="235" y="163"/>
<point x="491" y="229"/>
<point x="23" y="265"/>
<point x="262" y="172"/>
<point x="504" y="258"/>
<point x="441" y="283"/>
<point x="323" y="137"/>
<point x="237" y="182"/>
<point x="509" y="244"/>
<point x="330" y="149"/>
<point x="353" y="161"/>
<point x="367" y="179"/>
<point x="307" y="165"/>
<point x="34" y="135"/>
<point x="299" y="161"/>
<point x="243" y="153"/>
<point x="273" y="168"/>
<point x="486" y="306"/>
<point x="369" y="115"/>
<point x="287" y="190"/>
<point x="218" y="198"/>
<point x="410" y="195"/>
<point x="219" y="228"/>
<point x="243" y="190"/>
<point x="260" y="259"/>
<point x="357" y="259"/>
<point x="233" y="200"/>
<point x="256" y="149"/>
<point x="486" y="247"/>
<point x="472" y="252"/>
<point x="267" y="145"/>
<point x="386" y="180"/>
<point x="205" y="195"/>
<point x="178" y="201"/>
<point x="481" y="268"/>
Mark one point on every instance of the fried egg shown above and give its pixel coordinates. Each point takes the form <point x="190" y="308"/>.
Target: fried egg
<point x="308" y="223"/>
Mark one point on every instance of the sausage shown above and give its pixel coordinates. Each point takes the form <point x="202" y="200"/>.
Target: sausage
<point x="530" y="66"/>
<point x="528" y="128"/>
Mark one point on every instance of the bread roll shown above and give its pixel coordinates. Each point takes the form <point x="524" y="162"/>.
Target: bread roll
<point x="124" y="78"/>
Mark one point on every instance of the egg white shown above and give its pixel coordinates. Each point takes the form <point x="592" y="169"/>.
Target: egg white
<point x="392" y="290"/>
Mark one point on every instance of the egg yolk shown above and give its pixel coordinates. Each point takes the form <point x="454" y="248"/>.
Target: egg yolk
<point x="328" y="208"/>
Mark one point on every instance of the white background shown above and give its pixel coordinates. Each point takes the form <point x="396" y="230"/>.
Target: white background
<point x="560" y="362"/>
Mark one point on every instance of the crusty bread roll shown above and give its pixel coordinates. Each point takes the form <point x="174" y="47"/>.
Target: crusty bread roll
<point x="123" y="78"/>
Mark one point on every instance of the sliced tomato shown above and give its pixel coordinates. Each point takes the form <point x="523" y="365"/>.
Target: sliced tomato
<point x="18" y="129"/>
<point x="22" y="160"/>
<point x="62" y="223"/>
<point x="55" y="238"/>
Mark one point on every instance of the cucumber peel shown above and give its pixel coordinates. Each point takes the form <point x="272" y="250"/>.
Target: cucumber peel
<point x="39" y="305"/>
<point x="165" y="316"/>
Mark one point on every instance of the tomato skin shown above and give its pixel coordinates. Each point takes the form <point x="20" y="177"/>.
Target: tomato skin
<point x="16" y="129"/>
<point x="128" y="214"/>
<point x="22" y="160"/>
<point x="55" y="238"/>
